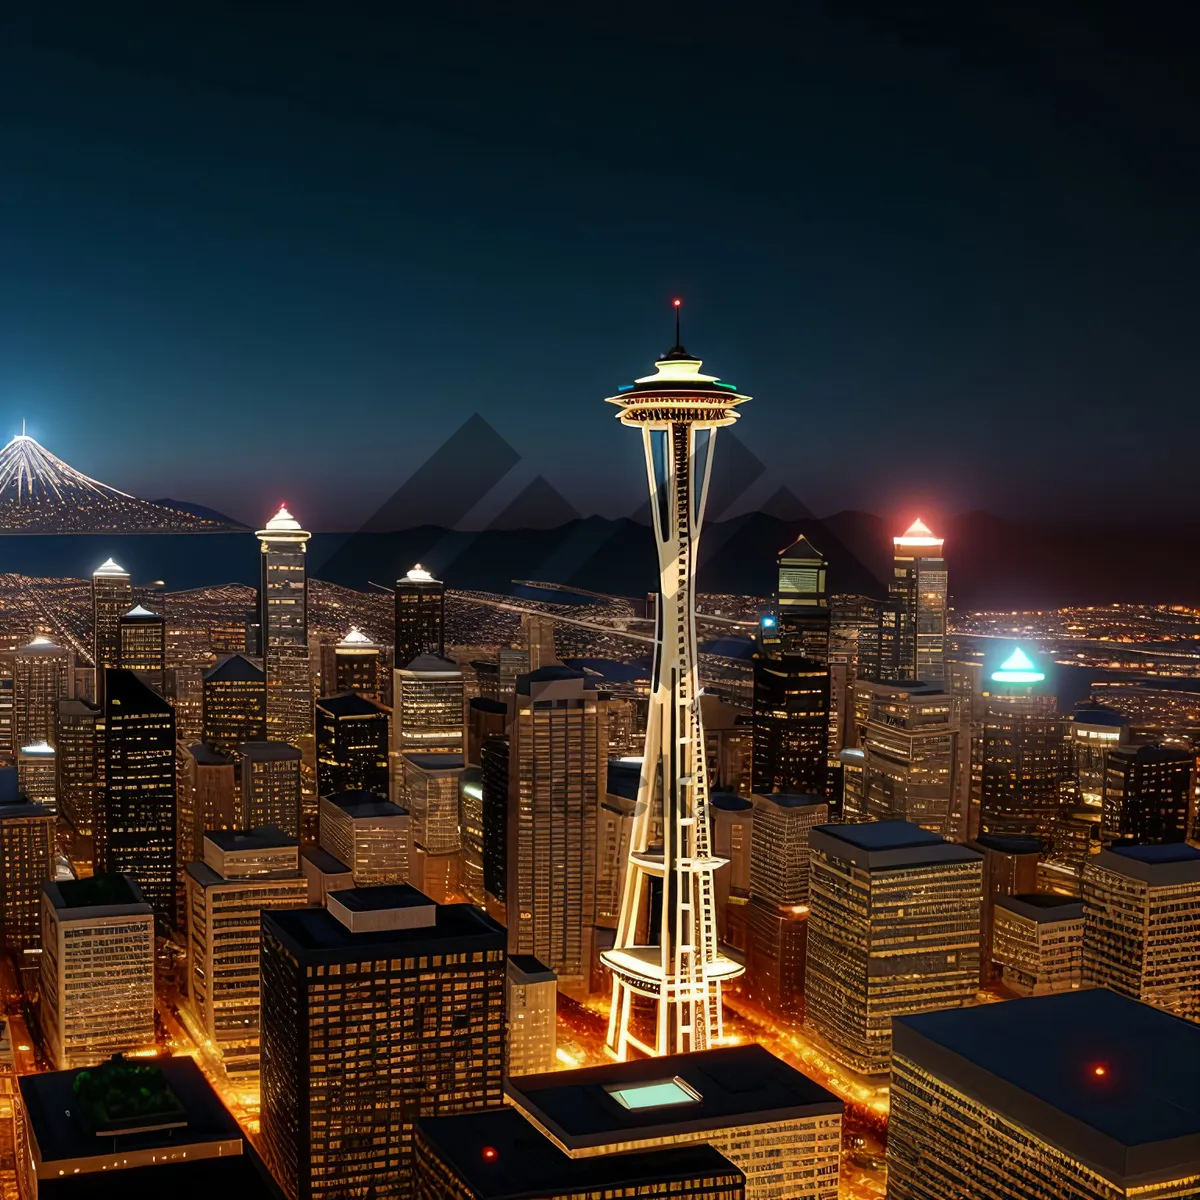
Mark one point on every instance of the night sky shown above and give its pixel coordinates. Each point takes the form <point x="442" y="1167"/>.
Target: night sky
<point x="255" y="252"/>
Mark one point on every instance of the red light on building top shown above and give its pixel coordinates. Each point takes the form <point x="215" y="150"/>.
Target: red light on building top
<point x="1099" y="1070"/>
<point x="678" y="303"/>
<point x="490" y="1154"/>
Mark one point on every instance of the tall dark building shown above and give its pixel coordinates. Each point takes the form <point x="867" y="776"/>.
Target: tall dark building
<point x="376" y="1011"/>
<point x="791" y="724"/>
<point x="234" y="704"/>
<point x="879" y="645"/>
<point x="918" y="586"/>
<point x="143" y="636"/>
<point x="26" y="862"/>
<point x="79" y="762"/>
<point x="352" y="745"/>
<point x="135" y="821"/>
<point x="112" y="597"/>
<point x="494" y="785"/>
<point x="801" y="602"/>
<point x="1147" y="794"/>
<point x="420" y="616"/>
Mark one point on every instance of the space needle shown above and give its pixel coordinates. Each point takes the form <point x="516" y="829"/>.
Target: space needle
<point x="665" y="949"/>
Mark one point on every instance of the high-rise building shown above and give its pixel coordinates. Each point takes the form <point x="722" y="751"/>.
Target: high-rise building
<point x="614" y="829"/>
<point x="432" y="784"/>
<point x="728" y="736"/>
<point x="470" y="828"/>
<point x="26" y="862"/>
<point x="376" y="1011"/>
<point x="270" y="786"/>
<point x="779" y="855"/>
<point x="7" y="748"/>
<point x="112" y="597"/>
<point x="185" y="690"/>
<point x="733" y="836"/>
<point x="531" y="1016"/>
<point x="671" y="957"/>
<point x="493" y="780"/>
<point x="43" y="674"/>
<point x="801" y="602"/>
<point x="918" y="588"/>
<point x="1042" y="1097"/>
<point x="420" y="616"/>
<point x="782" y="1129"/>
<point x="1148" y="794"/>
<point x="143" y="648"/>
<point x="97" y="969"/>
<point x="557" y="762"/>
<point x="212" y="802"/>
<point x="893" y="929"/>
<point x="356" y="664"/>
<point x="234" y="704"/>
<point x="37" y="773"/>
<point x="283" y="606"/>
<point x="352" y="745"/>
<point x="241" y="875"/>
<point x="1037" y="942"/>
<point x="1021" y="754"/>
<point x="791" y="723"/>
<point x="485" y="718"/>
<point x="1141" y="933"/>
<point x="324" y="875"/>
<point x="372" y="836"/>
<point x="910" y="745"/>
<point x="135" y="821"/>
<point x="1010" y="868"/>
<point x="1095" y="732"/>
<point x="428" y="713"/>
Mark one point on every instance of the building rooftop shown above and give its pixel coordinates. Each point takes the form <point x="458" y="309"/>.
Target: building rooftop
<point x="553" y="674"/>
<point x="500" y="1156"/>
<point x="381" y="899"/>
<point x="97" y="891"/>
<point x="37" y="750"/>
<point x="1152" y="754"/>
<point x="269" y="751"/>
<point x="1044" y="908"/>
<point x="1098" y="715"/>
<point x="316" y="934"/>
<point x="358" y="805"/>
<point x="349" y="704"/>
<point x="110" y="567"/>
<point x="433" y="664"/>
<point x="323" y="861"/>
<point x="139" y="612"/>
<point x="624" y="777"/>
<point x="649" y="1098"/>
<point x="729" y="802"/>
<point x="266" y="837"/>
<point x="531" y="968"/>
<point x="487" y="704"/>
<point x="1164" y="865"/>
<point x="882" y="845"/>
<point x="435" y="762"/>
<point x="1009" y="844"/>
<point x="790" y="799"/>
<point x="125" y="692"/>
<point x="237" y="668"/>
<point x="207" y="757"/>
<point x="17" y="810"/>
<point x="1105" y="1079"/>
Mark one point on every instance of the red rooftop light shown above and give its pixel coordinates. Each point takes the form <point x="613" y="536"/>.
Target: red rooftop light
<point x="490" y="1154"/>
<point x="1099" y="1070"/>
<point x="678" y="303"/>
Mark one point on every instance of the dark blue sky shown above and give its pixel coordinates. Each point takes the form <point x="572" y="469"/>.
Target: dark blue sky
<point x="254" y="252"/>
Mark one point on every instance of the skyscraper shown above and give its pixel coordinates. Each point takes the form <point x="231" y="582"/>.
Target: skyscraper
<point x="428" y="713"/>
<point x="791" y="723"/>
<point x="212" y="801"/>
<point x="918" y="587"/>
<point x="37" y="773"/>
<point x="352" y="745"/>
<point x="112" y="597"/>
<point x="356" y="664"/>
<point x="801" y="602"/>
<point x="531" y="1013"/>
<point x="372" y="836"/>
<point x="143" y="649"/>
<point x="493" y="772"/>
<point x="893" y="929"/>
<point x="283" y="601"/>
<point x="382" y="1008"/>
<point x="1148" y="794"/>
<point x="420" y="616"/>
<point x="234" y="707"/>
<point x="270" y="786"/>
<point x="43" y="674"/>
<point x="26" y="863"/>
<point x="673" y="961"/>
<point x="557" y="762"/>
<point x="135" y="821"/>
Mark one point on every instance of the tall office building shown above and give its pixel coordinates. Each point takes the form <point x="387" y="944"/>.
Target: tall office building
<point x="26" y="863"/>
<point x="893" y="929"/>
<point x="733" y="837"/>
<point x="779" y="854"/>
<point x="614" y="829"/>
<point x="420" y="616"/>
<point x="212" y="800"/>
<point x="432" y="787"/>
<point x="783" y="1130"/>
<point x="485" y="718"/>
<point x="728" y="738"/>
<point x="283" y="603"/>
<point x="493" y="780"/>
<point x="234" y="706"/>
<point x="270" y="786"/>
<point x="43" y="674"/>
<point x="352" y="745"/>
<point x="143" y="648"/>
<point x="372" y="836"/>
<point x="112" y="597"/>
<point x="185" y="690"/>
<point x="1010" y="868"/>
<point x="672" y="959"/>
<point x="1094" y="733"/>
<point x="1043" y="1097"/>
<point x="1148" y="794"/>
<point x="7" y="749"/>
<point x="531" y="1015"/>
<point x="911" y="754"/>
<point x="801" y="602"/>
<point x="37" y="774"/>
<point x="1141" y="933"/>
<point x="428" y="711"/>
<point x="791" y="723"/>
<point x="356" y="664"/>
<point x="135" y="822"/>
<point x="1021" y="754"/>
<point x="241" y="875"/>
<point x="918" y="588"/>
<point x="376" y="1011"/>
<point x="97" y="969"/>
<point x="470" y="828"/>
<point x="558" y="757"/>
<point x="1038" y="942"/>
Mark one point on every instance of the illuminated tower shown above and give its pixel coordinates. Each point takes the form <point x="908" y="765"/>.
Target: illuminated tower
<point x="112" y="597"/>
<point x="283" y="615"/>
<point x="420" y="616"/>
<point x="919" y="587"/>
<point x="676" y="963"/>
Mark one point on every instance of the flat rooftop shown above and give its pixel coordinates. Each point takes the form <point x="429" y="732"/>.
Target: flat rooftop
<point x="1105" y="1079"/>
<point x="265" y="838"/>
<point x="531" y="967"/>
<point x="521" y="1162"/>
<point x="729" y="802"/>
<point x="324" y="861"/>
<point x="1043" y="907"/>
<point x="1009" y="843"/>
<point x="381" y="899"/>
<point x="880" y="845"/>
<point x="435" y="762"/>
<point x="1158" y="866"/>
<point x="791" y="799"/>
<point x="358" y="805"/>
<point x="723" y="1088"/>
<point x="349" y="704"/>
<point x="97" y="891"/>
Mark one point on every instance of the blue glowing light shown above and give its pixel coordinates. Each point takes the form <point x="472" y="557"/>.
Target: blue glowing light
<point x="1018" y="668"/>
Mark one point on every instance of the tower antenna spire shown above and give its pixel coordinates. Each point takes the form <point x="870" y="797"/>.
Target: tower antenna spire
<point x="678" y="306"/>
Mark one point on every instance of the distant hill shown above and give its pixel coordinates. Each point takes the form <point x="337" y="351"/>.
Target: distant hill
<point x="205" y="514"/>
